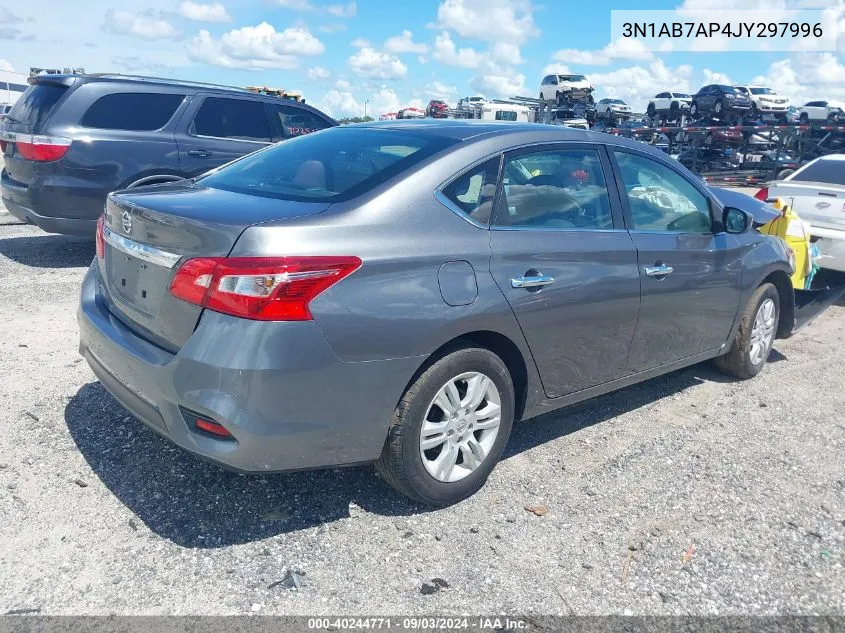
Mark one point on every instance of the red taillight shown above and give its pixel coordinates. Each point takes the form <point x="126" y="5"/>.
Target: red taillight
<point x="41" y="148"/>
<point x="763" y="194"/>
<point x="212" y="427"/>
<point x="262" y="288"/>
<point x="101" y="245"/>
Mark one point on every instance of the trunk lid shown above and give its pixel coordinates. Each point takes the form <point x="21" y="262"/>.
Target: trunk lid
<point x="150" y="231"/>
<point x="820" y="204"/>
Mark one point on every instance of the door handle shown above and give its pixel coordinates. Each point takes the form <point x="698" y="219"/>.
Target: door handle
<point x="199" y="153"/>
<point x="535" y="281"/>
<point x="661" y="270"/>
<point x="822" y="205"/>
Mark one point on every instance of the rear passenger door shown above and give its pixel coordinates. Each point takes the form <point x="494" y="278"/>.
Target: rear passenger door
<point x="219" y="129"/>
<point x="562" y="258"/>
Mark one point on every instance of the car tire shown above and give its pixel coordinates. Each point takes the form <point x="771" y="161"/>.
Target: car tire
<point x="755" y="112"/>
<point x="558" y="98"/>
<point x="718" y="108"/>
<point x="832" y="117"/>
<point x="651" y="110"/>
<point x="674" y="111"/>
<point x="757" y="331"/>
<point x="693" y="110"/>
<point x="804" y="118"/>
<point x="784" y="173"/>
<point x="407" y="467"/>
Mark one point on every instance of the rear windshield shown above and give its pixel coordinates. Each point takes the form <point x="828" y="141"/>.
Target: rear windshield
<point x="762" y="91"/>
<point x="827" y="171"/>
<point x="332" y="165"/>
<point x="35" y="105"/>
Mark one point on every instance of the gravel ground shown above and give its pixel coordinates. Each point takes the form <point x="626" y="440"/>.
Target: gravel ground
<point x="687" y="494"/>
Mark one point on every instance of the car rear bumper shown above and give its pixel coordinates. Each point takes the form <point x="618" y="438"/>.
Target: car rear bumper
<point x="277" y="387"/>
<point x="54" y="204"/>
<point x="831" y="244"/>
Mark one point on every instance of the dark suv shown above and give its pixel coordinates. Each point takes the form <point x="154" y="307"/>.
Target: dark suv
<point x="72" y="139"/>
<point x="717" y="100"/>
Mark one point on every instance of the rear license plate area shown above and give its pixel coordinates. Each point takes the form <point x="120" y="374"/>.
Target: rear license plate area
<point x="135" y="282"/>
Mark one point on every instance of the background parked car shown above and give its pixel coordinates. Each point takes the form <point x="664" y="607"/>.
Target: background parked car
<point x="828" y="111"/>
<point x="673" y="103"/>
<point x="717" y="100"/>
<point x="613" y="107"/>
<point x="472" y="103"/>
<point x="816" y="192"/>
<point x="764" y="100"/>
<point x="437" y="109"/>
<point x="566" y="87"/>
<point x="72" y="139"/>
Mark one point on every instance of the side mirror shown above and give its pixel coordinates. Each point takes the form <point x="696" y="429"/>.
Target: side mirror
<point x="736" y="220"/>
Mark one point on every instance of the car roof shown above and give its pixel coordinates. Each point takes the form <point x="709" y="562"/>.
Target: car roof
<point x="466" y="130"/>
<point x="142" y="79"/>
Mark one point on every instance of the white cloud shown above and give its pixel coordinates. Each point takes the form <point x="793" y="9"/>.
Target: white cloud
<point x="499" y="85"/>
<point x="374" y="64"/>
<point x="505" y="53"/>
<point x="213" y="12"/>
<point x="306" y="6"/>
<point x="318" y="72"/>
<point x="144" y="25"/>
<point x="385" y="100"/>
<point x="439" y="90"/>
<point x="340" y="104"/>
<point x="716" y="77"/>
<point x="806" y="77"/>
<point x="5" y="65"/>
<point x="510" y="21"/>
<point x="255" y="47"/>
<point x="404" y="44"/>
<point x="360" y="42"/>
<point x="342" y="84"/>
<point x="623" y="48"/>
<point x="448" y="54"/>
<point x="332" y="28"/>
<point x="7" y="17"/>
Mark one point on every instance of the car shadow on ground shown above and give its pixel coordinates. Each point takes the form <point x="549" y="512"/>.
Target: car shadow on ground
<point x="49" y="251"/>
<point x="197" y="504"/>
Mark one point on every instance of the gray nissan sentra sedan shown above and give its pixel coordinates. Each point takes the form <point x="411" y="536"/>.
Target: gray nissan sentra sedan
<point x="401" y="293"/>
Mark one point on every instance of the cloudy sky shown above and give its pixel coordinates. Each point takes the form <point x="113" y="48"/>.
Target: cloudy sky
<point x="392" y="53"/>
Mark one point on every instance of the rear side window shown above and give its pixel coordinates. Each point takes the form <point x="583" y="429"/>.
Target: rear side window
<point x="136" y="111"/>
<point x="239" y="119"/>
<point x="827" y="171"/>
<point x="336" y="164"/>
<point x="36" y="104"/>
<point x="292" y="121"/>
<point x="474" y="192"/>
<point x="555" y="189"/>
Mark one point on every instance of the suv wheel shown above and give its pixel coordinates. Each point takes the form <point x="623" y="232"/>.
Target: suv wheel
<point x="693" y="110"/>
<point x="674" y="110"/>
<point x="804" y="118"/>
<point x="450" y="428"/>
<point x="651" y="111"/>
<point x="756" y="335"/>
<point x="717" y="108"/>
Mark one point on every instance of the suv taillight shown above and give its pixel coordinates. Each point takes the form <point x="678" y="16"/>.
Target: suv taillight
<point x="262" y="288"/>
<point x="41" y="148"/>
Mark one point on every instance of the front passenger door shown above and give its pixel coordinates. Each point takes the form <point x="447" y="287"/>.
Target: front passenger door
<point x="690" y="276"/>
<point x="567" y="267"/>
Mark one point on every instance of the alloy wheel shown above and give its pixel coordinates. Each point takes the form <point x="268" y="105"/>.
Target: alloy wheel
<point x="763" y="332"/>
<point x="460" y="426"/>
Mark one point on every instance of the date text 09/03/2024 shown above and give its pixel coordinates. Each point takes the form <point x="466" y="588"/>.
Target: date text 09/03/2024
<point x="725" y="29"/>
<point x="461" y="623"/>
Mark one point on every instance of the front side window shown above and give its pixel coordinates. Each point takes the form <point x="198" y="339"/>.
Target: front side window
<point x="141" y="111"/>
<point x="660" y="198"/>
<point x="238" y="119"/>
<point x="293" y="121"/>
<point x="555" y="189"/>
<point x="473" y="192"/>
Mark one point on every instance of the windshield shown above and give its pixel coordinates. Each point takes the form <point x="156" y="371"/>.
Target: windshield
<point x="616" y="101"/>
<point x="680" y="95"/>
<point x="572" y="78"/>
<point x="331" y="165"/>
<point x="827" y="171"/>
<point x="762" y="91"/>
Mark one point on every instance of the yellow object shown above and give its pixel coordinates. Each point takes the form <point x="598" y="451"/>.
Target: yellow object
<point x="792" y="230"/>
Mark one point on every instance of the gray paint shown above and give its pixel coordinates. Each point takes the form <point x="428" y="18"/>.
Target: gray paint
<point x="601" y="326"/>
